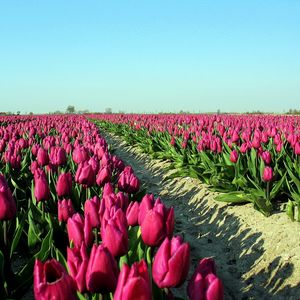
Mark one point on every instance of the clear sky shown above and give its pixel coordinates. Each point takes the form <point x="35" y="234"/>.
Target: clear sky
<point x="150" y="56"/>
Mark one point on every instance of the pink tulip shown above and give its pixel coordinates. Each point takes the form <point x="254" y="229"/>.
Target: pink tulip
<point x="51" y="281"/>
<point x="171" y="263"/>
<point x="65" y="210"/>
<point x="91" y="207"/>
<point x="133" y="283"/>
<point x="64" y="184"/>
<point x="128" y="182"/>
<point x="85" y="175"/>
<point x="157" y="224"/>
<point x="41" y="187"/>
<point x="114" y="232"/>
<point x="102" y="271"/>
<point x="267" y="174"/>
<point x="8" y="206"/>
<point x="204" y="283"/>
<point x="234" y="156"/>
<point x="42" y="157"/>
<point x="77" y="260"/>
<point x="132" y="213"/>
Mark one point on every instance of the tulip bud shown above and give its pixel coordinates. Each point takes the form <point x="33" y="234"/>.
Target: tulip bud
<point x="34" y="166"/>
<point x="171" y="263"/>
<point x="103" y="176"/>
<point x="209" y="287"/>
<point x="204" y="283"/>
<point x="107" y="189"/>
<point x="256" y="143"/>
<point x="297" y="148"/>
<point x="234" y="156"/>
<point x="65" y="210"/>
<point x="128" y="182"/>
<point x="118" y="163"/>
<point x="78" y="260"/>
<point x="157" y="224"/>
<point x="114" y="232"/>
<point x="133" y="283"/>
<point x="8" y="208"/>
<point x="51" y="281"/>
<point x="267" y="174"/>
<point x="75" y="227"/>
<point x="266" y="157"/>
<point x="41" y="187"/>
<point x="80" y="154"/>
<point x="64" y="184"/>
<point x="91" y="207"/>
<point x="58" y="156"/>
<point x="146" y="204"/>
<point x="42" y="157"/>
<point x="102" y="271"/>
<point x="94" y="163"/>
<point x="132" y="213"/>
<point x="85" y="174"/>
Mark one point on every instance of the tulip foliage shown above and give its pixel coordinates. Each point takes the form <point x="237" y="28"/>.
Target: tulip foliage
<point x="76" y="223"/>
<point x="250" y="158"/>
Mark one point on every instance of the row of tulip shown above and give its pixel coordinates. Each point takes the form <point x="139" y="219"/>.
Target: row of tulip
<point x="250" y="158"/>
<point x="78" y="224"/>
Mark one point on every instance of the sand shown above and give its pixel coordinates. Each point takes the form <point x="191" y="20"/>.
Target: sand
<point x="256" y="257"/>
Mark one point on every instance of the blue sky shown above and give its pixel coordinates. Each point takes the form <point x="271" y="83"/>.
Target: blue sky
<point x="150" y="56"/>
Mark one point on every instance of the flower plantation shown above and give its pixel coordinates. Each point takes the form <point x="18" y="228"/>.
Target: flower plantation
<point x="76" y="222"/>
<point x="250" y="158"/>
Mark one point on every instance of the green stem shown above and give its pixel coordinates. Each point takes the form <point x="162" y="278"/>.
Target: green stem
<point x="96" y="233"/>
<point x="43" y="210"/>
<point x="5" y="234"/>
<point x="268" y="191"/>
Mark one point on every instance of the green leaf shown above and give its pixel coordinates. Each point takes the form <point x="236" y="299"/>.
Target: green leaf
<point x="80" y="296"/>
<point x="262" y="205"/>
<point x="261" y="167"/>
<point x="290" y="210"/>
<point x="61" y="258"/>
<point x="123" y="260"/>
<point x="17" y="234"/>
<point x="252" y="162"/>
<point x="277" y="186"/>
<point x="1" y="266"/>
<point x="234" y="197"/>
<point x="33" y="232"/>
<point x="293" y="177"/>
<point x="23" y="278"/>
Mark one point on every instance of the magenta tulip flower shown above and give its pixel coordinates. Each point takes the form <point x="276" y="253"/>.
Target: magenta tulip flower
<point x="51" y="281"/>
<point x="78" y="260"/>
<point x="8" y="208"/>
<point x="41" y="187"/>
<point x="64" y="184"/>
<point x="102" y="271"/>
<point x="65" y="210"/>
<point x="267" y="174"/>
<point x="171" y="263"/>
<point x="133" y="283"/>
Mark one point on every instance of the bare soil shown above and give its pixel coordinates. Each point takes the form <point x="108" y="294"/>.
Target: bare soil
<point x="256" y="257"/>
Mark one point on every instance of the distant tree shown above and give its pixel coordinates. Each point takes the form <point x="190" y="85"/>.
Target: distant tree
<point x="18" y="112"/>
<point x="31" y="113"/>
<point x="71" y="109"/>
<point x="108" y="110"/>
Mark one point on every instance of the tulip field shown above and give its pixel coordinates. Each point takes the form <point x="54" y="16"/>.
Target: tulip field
<point x="76" y="222"/>
<point x="248" y="158"/>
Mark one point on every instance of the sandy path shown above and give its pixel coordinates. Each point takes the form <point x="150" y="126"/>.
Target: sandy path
<point x="256" y="257"/>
